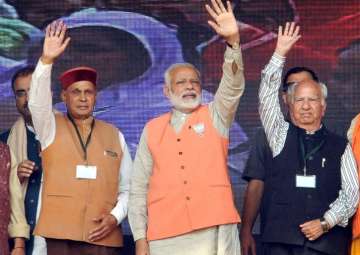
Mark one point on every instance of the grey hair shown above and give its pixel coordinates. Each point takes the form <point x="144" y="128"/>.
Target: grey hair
<point x="168" y="72"/>
<point x="291" y="91"/>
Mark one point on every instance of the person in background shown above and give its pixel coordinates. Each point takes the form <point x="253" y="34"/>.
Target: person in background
<point x="23" y="143"/>
<point x="5" y="166"/>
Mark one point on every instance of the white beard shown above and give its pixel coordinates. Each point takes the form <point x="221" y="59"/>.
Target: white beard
<point x="184" y="105"/>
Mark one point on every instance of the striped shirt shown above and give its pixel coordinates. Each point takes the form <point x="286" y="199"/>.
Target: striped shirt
<point x="276" y="129"/>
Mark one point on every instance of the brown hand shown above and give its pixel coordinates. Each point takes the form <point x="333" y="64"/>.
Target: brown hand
<point x="107" y="223"/>
<point x="142" y="247"/>
<point x="19" y="246"/>
<point x="312" y="229"/>
<point x="247" y="240"/>
<point x="18" y="251"/>
<point x="25" y="169"/>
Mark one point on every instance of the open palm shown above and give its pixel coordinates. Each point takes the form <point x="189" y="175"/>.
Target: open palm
<point x="287" y="38"/>
<point x="55" y="42"/>
<point x="224" y="22"/>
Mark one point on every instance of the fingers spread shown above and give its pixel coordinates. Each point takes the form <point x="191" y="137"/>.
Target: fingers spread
<point x="286" y="30"/>
<point x="216" y="6"/>
<point x="221" y="6"/>
<point x="211" y="12"/>
<point x="229" y="7"/>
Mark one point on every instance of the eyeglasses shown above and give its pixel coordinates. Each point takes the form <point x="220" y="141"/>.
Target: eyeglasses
<point x="21" y="93"/>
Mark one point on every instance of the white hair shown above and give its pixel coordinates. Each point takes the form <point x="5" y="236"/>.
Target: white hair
<point x="291" y="91"/>
<point x="168" y="72"/>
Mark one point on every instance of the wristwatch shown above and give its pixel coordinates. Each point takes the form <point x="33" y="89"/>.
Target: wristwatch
<point x="324" y="225"/>
<point x="234" y="46"/>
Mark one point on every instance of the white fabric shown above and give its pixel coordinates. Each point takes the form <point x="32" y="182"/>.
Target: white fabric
<point x="219" y="240"/>
<point x="17" y="141"/>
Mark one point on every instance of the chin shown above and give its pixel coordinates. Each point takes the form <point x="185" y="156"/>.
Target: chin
<point x="82" y="115"/>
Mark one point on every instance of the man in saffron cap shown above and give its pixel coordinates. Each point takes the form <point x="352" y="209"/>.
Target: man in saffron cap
<point x="181" y="201"/>
<point x="86" y="162"/>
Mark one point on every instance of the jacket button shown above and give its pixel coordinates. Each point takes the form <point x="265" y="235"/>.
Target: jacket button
<point x="182" y="167"/>
<point x="187" y="198"/>
<point x="309" y="196"/>
<point x="178" y="139"/>
<point x="185" y="182"/>
<point x="180" y="153"/>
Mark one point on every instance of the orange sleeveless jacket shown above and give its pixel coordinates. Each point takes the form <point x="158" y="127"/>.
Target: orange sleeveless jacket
<point x="356" y="150"/>
<point x="189" y="188"/>
<point x="69" y="204"/>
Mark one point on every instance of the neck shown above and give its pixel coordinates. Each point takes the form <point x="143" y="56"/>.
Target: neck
<point x="83" y="120"/>
<point x="310" y="128"/>
<point x="28" y="121"/>
<point x="184" y="111"/>
<point x="187" y="110"/>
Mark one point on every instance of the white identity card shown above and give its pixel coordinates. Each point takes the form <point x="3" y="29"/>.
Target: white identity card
<point x="86" y="172"/>
<point x="306" y="181"/>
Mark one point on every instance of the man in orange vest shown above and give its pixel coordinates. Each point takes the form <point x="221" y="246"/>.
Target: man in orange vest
<point x="354" y="140"/>
<point x="181" y="200"/>
<point x="86" y="163"/>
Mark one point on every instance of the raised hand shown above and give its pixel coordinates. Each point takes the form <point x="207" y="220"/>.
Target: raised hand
<point x="287" y="38"/>
<point x="55" y="42"/>
<point x="224" y="22"/>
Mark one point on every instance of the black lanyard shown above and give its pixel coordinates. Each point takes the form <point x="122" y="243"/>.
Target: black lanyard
<point x="83" y="146"/>
<point x="306" y="156"/>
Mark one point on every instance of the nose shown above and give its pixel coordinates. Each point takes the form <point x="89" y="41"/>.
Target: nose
<point x="189" y="85"/>
<point x="82" y="97"/>
<point x="306" y="104"/>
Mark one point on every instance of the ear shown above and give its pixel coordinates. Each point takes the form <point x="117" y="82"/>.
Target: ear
<point x="284" y="98"/>
<point x="324" y="108"/>
<point x="166" y="90"/>
<point x="63" y="96"/>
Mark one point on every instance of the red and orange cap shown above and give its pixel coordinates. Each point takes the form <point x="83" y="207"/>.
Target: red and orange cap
<point x="82" y="73"/>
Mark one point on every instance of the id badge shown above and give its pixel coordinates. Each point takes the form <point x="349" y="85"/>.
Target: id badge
<point x="86" y="172"/>
<point x="308" y="181"/>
